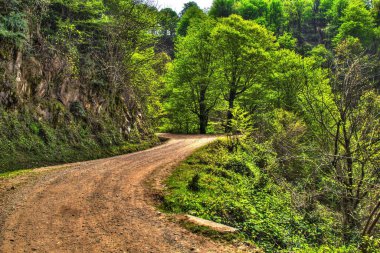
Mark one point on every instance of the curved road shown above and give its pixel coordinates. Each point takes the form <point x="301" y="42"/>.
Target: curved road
<point x="101" y="206"/>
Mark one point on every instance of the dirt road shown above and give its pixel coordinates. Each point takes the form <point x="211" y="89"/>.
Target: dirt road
<point x="100" y="206"/>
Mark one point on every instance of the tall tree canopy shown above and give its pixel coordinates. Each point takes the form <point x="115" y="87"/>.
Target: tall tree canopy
<point x="243" y="56"/>
<point x="194" y="76"/>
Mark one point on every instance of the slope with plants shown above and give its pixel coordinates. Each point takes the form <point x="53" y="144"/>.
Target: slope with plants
<point x="298" y="81"/>
<point x="76" y="78"/>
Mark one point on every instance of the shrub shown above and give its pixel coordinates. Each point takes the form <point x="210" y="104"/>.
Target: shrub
<point x="238" y="165"/>
<point x="76" y="108"/>
<point x="194" y="183"/>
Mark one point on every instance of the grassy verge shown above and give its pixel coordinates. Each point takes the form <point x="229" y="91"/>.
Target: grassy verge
<point x="20" y="161"/>
<point x="28" y="142"/>
<point x="12" y="174"/>
<point x="232" y="189"/>
<point x="26" y="165"/>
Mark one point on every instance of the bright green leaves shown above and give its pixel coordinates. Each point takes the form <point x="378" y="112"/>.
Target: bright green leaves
<point x="243" y="53"/>
<point x="193" y="14"/>
<point x="223" y="58"/>
<point x="193" y="77"/>
<point x="242" y="122"/>
<point x="239" y="44"/>
<point x="168" y="20"/>
<point x="80" y="12"/>
<point x="227" y="57"/>
<point x="252" y="9"/>
<point x="287" y="41"/>
<point x="146" y="70"/>
<point x="288" y="78"/>
<point x="75" y="21"/>
<point x="234" y="190"/>
<point x="307" y="101"/>
<point x="358" y="22"/>
<point x="83" y="8"/>
<point x="311" y="22"/>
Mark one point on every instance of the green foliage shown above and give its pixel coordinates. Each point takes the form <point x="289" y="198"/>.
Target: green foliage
<point x="243" y="53"/>
<point x="13" y="29"/>
<point x="252" y="9"/>
<point x="168" y="20"/>
<point x="328" y="249"/>
<point x="76" y="108"/>
<point x="28" y="143"/>
<point x="179" y="118"/>
<point x="193" y="78"/>
<point x="187" y="6"/>
<point x="221" y="8"/>
<point x="241" y="122"/>
<point x="287" y="41"/>
<point x="370" y="244"/>
<point x="311" y="22"/>
<point x="322" y="55"/>
<point x="239" y="166"/>
<point x="275" y="15"/>
<point x="234" y="191"/>
<point x="192" y="14"/>
<point x="146" y="75"/>
<point x="358" y="22"/>
<point x="194" y="183"/>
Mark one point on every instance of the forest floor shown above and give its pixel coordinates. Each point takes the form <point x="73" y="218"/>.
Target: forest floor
<point x="106" y="205"/>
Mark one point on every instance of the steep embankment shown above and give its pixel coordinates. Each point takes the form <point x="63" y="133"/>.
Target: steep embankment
<point x="101" y="206"/>
<point x="73" y="86"/>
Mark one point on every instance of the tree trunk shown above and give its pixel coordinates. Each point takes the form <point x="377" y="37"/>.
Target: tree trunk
<point x="231" y="100"/>
<point x="372" y="220"/>
<point x="316" y="20"/>
<point x="349" y="212"/>
<point x="348" y="219"/>
<point x="203" y="113"/>
<point x="203" y="122"/>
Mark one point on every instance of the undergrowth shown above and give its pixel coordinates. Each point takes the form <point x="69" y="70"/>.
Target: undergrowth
<point x="232" y="189"/>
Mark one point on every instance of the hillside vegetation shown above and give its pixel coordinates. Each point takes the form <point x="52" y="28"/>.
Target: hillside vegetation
<point x="75" y="78"/>
<point x="295" y="86"/>
<point x="236" y="189"/>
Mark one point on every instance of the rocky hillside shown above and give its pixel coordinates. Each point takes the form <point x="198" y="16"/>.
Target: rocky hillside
<point x="75" y="74"/>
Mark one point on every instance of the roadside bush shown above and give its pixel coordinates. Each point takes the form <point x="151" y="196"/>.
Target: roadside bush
<point x="238" y="193"/>
<point x="194" y="183"/>
<point x="238" y="165"/>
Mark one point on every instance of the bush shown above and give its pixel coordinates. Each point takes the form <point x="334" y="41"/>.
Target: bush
<point x="370" y="245"/>
<point x="238" y="165"/>
<point x="76" y="108"/>
<point x="194" y="183"/>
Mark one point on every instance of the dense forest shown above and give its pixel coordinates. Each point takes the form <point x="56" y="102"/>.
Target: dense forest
<point x="293" y="84"/>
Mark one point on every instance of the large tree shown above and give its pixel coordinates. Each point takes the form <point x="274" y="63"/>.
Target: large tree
<point x="358" y="22"/>
<point x="347" y="127"/>
<point x="194" y="73"/>
<point x="242" y="49"/>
